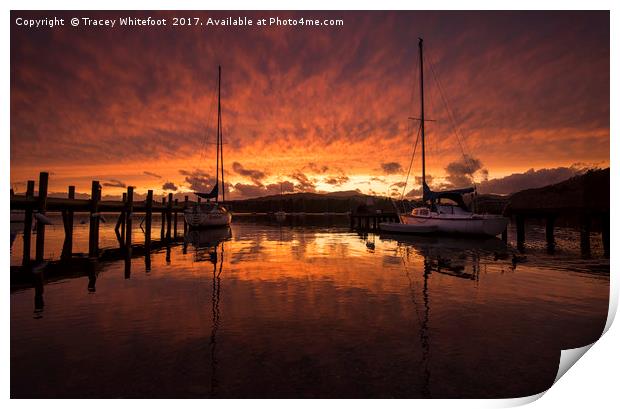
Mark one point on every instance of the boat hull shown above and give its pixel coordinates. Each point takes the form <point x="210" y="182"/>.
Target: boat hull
<point x="477" y="225"/>
<point x="205" y="220"/>
<point x="407" y="228"/>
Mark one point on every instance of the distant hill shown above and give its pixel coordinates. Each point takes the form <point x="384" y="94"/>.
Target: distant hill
<point x="309" y="196"/>
<point x="333" y="202"/>
<point x="589" y="191"/>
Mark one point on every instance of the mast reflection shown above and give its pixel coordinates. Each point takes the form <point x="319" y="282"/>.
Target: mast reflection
<point x="209" y="246"/>
<point x="215" y="306"/>
<point x="455" y="257"/>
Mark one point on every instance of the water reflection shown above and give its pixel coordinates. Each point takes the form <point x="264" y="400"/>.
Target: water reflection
<point x="208" y="246"/>
<point x="39" y="302"/>
<point x="273" y="310"/>
<point x="91" y="268"/>
<point x="205" y="242"/>
<point x="422" y="319"/>
<point x="215" y="300"/>
<point x="455" y="257"/>
<point x="128" y="252"/>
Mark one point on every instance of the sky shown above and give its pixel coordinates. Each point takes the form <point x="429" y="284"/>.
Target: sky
<point x="517" y="99"/>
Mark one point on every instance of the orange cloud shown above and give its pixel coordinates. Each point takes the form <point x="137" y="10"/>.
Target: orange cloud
<point x="526" y="90"/>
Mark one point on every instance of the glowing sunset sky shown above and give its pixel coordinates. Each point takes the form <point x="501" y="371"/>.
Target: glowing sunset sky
<point x="321" y="108"/>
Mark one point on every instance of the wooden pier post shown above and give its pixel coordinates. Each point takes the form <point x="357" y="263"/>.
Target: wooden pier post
<point x="184" y="221"/>
<point x="549" y="232"/>
<point x="122" y="218"/>
<point x="93" y="233"/>
<point x="147" y="261"/>
<point x="505" y="235"/>
<point x="584" y="233"/>
<point x="169" y="217"/>
<point x="148" y="220"/>
<point x="176" y="215"/>
<point x="39" y="302"/>
<point x="128" y="222"/>
<point x="605" y="232"/>
<point x="91" y="268"/>
<point x="128" y="216"/>
<point x="67" y="220"/>
<point x="147" y="231"/>
<point x="520" y="219"/>
<point x="41" y="206"/>
<point x="163" y="218"/>
<point x="28" y="225"/>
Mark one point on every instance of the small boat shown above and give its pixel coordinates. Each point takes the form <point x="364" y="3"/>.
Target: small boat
<point x="212" y="213"/>
<point x="436" y="216"/>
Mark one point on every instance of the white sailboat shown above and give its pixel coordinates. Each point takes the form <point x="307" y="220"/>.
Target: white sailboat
<point x="212" y="213"/>
<point x="452" y="217"/>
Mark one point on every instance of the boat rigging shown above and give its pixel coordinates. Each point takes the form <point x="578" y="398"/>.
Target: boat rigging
<point x="435" y="216"/>
<point x="212" y="214"/>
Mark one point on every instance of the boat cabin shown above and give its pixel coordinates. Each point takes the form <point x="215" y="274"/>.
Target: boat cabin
<point x="421" y="212"/>
<point x="440" y="209"/>
<point x="451" y="209"/>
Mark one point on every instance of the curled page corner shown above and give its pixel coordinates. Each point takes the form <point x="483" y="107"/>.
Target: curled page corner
<point x="515" y="402"/>
<point x="568" y="357"/>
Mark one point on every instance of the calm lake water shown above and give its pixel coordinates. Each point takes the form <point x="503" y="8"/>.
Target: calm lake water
<point x="306" y="308"/>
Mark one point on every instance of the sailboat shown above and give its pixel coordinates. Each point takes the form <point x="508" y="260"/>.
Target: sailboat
<point x="211" y="213"/>
<point x="437" y="216"/>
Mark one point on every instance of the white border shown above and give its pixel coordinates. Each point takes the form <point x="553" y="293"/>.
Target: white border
<point x="592" y="382"/>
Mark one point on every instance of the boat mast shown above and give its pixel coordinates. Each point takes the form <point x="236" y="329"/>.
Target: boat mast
<point x="219" y="113"/>
<point x="422" y="115"/>
<point x="221" y="136"/>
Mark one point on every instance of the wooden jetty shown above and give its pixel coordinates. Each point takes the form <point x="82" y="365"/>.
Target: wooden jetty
<point x="581" y="199"/>
<point x="40" y="204"/>
<point x="370" y="220"/>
